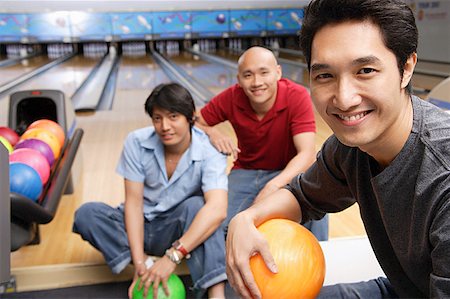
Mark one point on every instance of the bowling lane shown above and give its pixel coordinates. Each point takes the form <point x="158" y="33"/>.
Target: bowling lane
<point x="66" y="77"/>
<point x="214" y="76"/>
<point x="232" y="55"/>
<point x="295" y="73"/>
<point x="14" y="71"/>
<point x="292" y="57"/>
<point x="136" y="79"/>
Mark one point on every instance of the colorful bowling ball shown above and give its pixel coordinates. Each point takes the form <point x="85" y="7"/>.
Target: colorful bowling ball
<point x="34" y="159"/>
<point x="24" y="180"/>
<point x="6" y="144"/>
<point x="174" y="283"/>
<point x="52" y="126"/>
<point x="220" y="18"/>
<point x="10" y="135"/>
<point x="46" y="136"/>
<point x="38" y="145"/>
<point x="299" y="259"/>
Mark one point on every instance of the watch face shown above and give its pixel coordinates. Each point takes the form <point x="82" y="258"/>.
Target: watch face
<point x="173" y="256"/>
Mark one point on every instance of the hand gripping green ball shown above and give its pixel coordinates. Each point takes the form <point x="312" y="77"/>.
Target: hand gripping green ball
<point x="174" y="283"/>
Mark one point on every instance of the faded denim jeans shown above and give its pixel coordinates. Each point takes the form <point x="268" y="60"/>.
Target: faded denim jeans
<point x="243" y="187"/>
<point x="103" y="226"/>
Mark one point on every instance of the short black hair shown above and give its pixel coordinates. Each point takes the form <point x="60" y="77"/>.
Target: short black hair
<point x="394" y="18"/>
<point x="172" y="97"/>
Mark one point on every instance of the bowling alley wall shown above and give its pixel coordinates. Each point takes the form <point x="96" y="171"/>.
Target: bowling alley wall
<point x="80" y="26"/>
<point x="433" y="22"/>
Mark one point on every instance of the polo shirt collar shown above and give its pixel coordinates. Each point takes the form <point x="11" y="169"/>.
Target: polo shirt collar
<point x="153" y="142"/>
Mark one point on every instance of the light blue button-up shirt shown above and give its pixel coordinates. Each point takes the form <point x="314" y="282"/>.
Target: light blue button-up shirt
<point x="200" y="169"/>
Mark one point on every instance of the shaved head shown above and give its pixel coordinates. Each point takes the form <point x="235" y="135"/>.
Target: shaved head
<point x="257" y="51"/>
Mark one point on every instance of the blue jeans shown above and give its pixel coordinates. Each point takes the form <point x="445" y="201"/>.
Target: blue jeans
<point x="243" y="187"/>
<point x="374" y="289"/>
<point x="104" y="227"/>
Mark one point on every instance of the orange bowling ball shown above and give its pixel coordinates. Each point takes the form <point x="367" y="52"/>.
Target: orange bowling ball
<point x="46" y="136"/>
<point x="299" y="259"/>
<point x="52" y="126"/>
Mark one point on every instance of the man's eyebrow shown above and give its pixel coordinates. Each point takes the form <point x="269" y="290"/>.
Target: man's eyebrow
<point x="366" y="60"/>
<point x="319" y="66"/>
<point x="359" y="61"/>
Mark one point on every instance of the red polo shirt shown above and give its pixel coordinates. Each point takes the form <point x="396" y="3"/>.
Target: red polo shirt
<point x="267" y="143"/>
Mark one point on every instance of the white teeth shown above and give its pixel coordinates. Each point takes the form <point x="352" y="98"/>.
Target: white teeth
<point x="353" y="117"/>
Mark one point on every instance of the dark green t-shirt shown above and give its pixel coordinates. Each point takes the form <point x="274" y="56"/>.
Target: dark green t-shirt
<point x="405" y="207"/>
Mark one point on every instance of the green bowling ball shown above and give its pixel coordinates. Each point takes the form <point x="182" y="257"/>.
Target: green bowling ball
<point x="176" y="289"/>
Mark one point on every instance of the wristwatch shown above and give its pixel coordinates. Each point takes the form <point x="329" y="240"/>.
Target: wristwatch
<point x="179" y="246"/>
<point x="173" y="256"/>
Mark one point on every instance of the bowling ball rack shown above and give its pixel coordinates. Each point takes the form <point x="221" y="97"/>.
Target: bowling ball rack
<point x="27" y="215"/>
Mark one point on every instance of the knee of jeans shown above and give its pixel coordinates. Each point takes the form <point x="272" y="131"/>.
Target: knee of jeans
<point x="85" y="217"/>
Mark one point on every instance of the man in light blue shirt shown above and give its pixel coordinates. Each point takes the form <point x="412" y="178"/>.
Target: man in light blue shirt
<point x="143" y="160"/>
<point x="175" y="199"/>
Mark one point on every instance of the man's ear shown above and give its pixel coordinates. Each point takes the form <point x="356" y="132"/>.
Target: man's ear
<point x="279" y="71"/>
<point x="193" y="118"/>
<point x="408" y="70"/>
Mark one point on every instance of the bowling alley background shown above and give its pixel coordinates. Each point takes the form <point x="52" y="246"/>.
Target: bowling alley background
<point x="77" y="26"/>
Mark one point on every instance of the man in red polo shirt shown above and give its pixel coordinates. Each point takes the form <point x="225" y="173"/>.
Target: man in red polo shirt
<point x="274" y="122"/>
